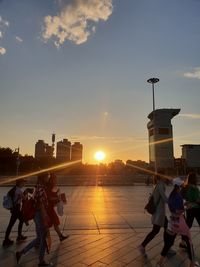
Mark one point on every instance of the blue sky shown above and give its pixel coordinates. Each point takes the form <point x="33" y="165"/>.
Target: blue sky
<point x="79" y="69"/>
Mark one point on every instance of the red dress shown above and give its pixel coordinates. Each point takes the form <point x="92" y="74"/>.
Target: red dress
<point x="52" y="201"/>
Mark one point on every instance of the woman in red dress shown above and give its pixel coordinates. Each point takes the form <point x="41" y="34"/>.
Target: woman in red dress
<point x="53" y="198"/>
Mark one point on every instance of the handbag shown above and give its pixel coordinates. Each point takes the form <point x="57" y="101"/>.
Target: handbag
<point x="60" y="208"/>
<point x="28" y="209"/>
<point x="151" y="206"/>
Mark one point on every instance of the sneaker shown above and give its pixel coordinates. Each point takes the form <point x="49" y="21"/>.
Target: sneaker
<point x="18" y="255"/>
<point x="21" y="238"/>
<point x="142" y="249"/>
<point x="63" y="237"/>
<point x="7" y="242"/>
<point x="44" y="263"/>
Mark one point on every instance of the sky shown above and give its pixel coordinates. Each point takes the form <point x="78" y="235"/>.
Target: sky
<point x="79" y="69"/>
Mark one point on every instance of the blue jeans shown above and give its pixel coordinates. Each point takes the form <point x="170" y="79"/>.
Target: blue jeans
<point x="40" y="239"/>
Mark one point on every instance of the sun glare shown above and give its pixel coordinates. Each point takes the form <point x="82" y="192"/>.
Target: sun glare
<point x="99" y="155"/>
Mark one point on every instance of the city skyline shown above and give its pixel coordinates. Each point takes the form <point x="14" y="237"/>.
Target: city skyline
<point x="80" y="69"/>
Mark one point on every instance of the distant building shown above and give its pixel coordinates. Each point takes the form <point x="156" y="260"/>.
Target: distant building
<point x="40" y="149"/>
<point x="77" y="151"/>
<point x="161" y="138"/>
<point x="191" y="155"/>
<point x="43" y="150"/>
<point x="139" y="165"/>
<point x="63" y="151"/>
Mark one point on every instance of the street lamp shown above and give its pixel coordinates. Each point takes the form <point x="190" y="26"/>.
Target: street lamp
<point x="17" y="161"/>
<point x="153" y="81"/>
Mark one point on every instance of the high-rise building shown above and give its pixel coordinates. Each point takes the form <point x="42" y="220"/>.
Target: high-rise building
<point x="161" y="152"/>
<point x="63" y="151"/>
<point x="43" y="150"/>
<point x="77" y="151"/>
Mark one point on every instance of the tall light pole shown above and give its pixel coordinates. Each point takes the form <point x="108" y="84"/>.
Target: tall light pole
<point x="17" y="161"/>
<point x="153" y="81"/>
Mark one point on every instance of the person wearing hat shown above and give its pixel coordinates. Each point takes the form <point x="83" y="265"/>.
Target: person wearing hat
<point x="16" y="194"/>
<point x="177" y="224"/>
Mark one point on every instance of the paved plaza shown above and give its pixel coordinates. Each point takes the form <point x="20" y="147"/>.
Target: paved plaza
<point x="105" y="224"/>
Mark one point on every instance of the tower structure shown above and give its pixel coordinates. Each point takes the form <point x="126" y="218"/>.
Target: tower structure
<point x="161" y="138"/>
<point x="53" y="142"/>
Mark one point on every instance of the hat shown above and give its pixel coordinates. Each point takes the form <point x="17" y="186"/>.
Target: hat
<point x="177" y="181"/>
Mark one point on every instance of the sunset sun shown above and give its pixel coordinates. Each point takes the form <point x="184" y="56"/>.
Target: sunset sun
<point x="99" y="155"/>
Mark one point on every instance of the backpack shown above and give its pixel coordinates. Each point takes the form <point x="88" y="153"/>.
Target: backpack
<point x="8" y="199"/>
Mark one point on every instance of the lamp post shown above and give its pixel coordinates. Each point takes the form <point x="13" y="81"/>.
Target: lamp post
<point x="17" y="161"/>
<point x="153" y="81"/>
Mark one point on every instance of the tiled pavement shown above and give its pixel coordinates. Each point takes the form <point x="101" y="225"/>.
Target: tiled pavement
<point x="105" y="224"/>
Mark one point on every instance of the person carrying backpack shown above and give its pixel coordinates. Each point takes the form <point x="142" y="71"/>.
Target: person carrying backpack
<point x="16" y="195"/>
<point x="42" y="223"/>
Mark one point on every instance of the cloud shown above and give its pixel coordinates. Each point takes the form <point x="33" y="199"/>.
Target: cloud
<point x="191" y="116"/>
<point x="3" y="25"/>
<point x="18" y="39"/>
<point x="2" y="50"/>
<point x="195" y="74"/>
<point x="76" y="20"/>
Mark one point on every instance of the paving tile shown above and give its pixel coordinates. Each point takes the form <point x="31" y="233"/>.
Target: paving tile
<point x="106" y="224"/>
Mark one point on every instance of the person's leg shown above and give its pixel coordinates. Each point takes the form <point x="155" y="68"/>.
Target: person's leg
<point x="33" y="243"/>
<point x="197" y="215"/>
<point x="60" y="235"/>
<point x="190" y="248"/>
<point x="151" y="235"/>
<point x="41" y="239"/>
<point x="12" y="221"/>
<point x="41" y="231"/>
<point x="57" y="229"/>
<point x="168" y="243"/>
<point x="190" y="214"/>
<point x="20" y="226"/>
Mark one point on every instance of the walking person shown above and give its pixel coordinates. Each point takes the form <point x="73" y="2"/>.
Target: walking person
<point x="16" y="195"/>
<point x="53" y="198"/>
<point x="41" y="220"/>
<point x="158" y="218"/>
<point x="192" y="198"/>
<point x="177" y="225"/>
